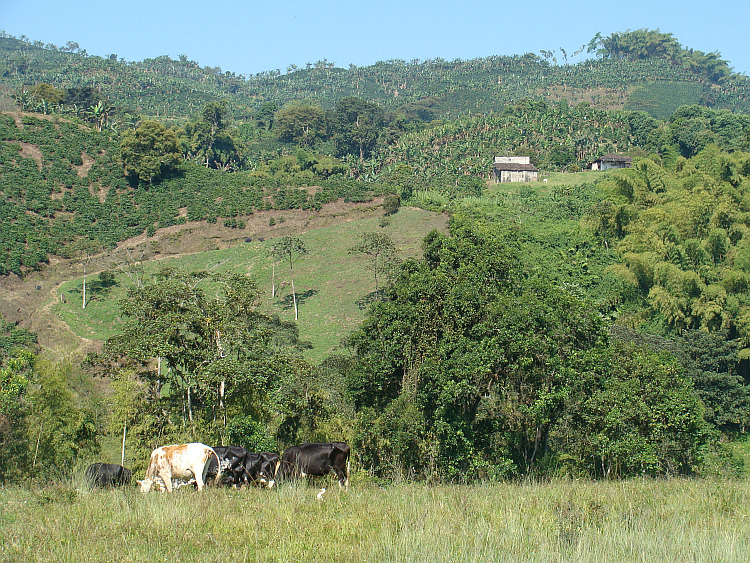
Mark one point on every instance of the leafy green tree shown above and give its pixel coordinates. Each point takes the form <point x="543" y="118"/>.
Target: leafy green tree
<point x="426" y="108"/>
<point x="14" y="384"/>
<point x="204" y="351"/>
<point x="633" y="412"/>
<point x="264" y="117"/>
<point x="60" y="431"/>
<point x="82" y="97"/>
<point x="51" y="95"/>
<point x="356" y="125"/>
<point x="472" y="348"/>
<point x="149" y="152"/>
<point x="209" y="140"/>
<point x="380" y="249"/>
<point x="391" y="204"/>
<point x="290" y="249"/>
<point x="713" y="364"/>
<point x="303" y="124"/>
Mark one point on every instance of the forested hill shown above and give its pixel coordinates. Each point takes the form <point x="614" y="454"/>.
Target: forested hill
<point x="630" y="71"/>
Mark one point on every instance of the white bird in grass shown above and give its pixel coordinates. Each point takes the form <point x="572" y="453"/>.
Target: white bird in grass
<point x="320" y="493"/>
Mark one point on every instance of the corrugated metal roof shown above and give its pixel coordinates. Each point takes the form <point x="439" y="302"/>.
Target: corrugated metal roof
<point x="614" y="158"/>
<point x="515" y="167"/>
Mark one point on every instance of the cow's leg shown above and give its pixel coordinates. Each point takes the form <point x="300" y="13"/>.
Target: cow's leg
<point x="166" y="477"/>
<point x="343" y="476"/>
<point x="200" y="475"/>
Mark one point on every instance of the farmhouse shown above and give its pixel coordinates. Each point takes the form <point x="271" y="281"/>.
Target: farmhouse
<point x="611" y="161"/>
<point x="514" y="169"/>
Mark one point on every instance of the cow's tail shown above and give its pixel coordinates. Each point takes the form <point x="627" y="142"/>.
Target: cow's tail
<point x="217" y="479"/>
<point x="346" y="483"/>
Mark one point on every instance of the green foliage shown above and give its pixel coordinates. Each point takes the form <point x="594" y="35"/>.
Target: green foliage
<point x="380" y="249"/>
<point x="209" y="141"/>
<point x="149" y="152"/>
<point x="250" y="434"/>
<point x="356" y="126"/>
<point x="302" y="124"/>
<point x="632" y="413"/>
<point x="60" y="431"/>
<point x="661" y="99"/>
<point x="391" y="204"/>
<point x="470" y="346"/>
<point x="14" y="338"/>
<point x="165" y="87"/>
<point x="649" y="43"/>
<point x="683" y="240"/>
<point x="14" y="408"/>
<point x="211" y="356"/>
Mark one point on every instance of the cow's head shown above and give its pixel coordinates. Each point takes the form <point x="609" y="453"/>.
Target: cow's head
<point x="268" y="472"/>
<point x="145" y="484"/>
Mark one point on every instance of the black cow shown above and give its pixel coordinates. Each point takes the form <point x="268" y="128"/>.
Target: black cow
<point x="261" y="469"/>
<point x="317" y="459"/>
<point x="232" y="464"/>
<point x="108" y="475"/>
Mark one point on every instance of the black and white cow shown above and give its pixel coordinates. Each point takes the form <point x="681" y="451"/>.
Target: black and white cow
<point x="232" y="459"/>
<point x="261" y="469"/>
<point x="313" y="458"/>
<point x="108" y="475"/>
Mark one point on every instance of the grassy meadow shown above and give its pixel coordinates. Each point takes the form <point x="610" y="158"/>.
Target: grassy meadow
<point x="637" y="520"/>
<point x="333" y="287"/>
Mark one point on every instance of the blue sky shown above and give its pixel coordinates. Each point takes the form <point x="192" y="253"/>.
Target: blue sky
<point x="249" y="37"/>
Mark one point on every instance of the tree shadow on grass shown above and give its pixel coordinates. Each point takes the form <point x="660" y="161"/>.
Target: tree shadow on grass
<point x="287" y="302"/>
<point x="371" y="298"/>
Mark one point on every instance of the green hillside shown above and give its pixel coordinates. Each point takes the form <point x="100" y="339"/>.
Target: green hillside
<point x="593" y="324"/>
<point x="167" y="88"/>
<point x="335" y="287"/>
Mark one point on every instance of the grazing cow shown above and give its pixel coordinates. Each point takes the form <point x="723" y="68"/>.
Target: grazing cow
<point x="231" y="462"/>
<point x="183" y="461"/>
<point x="317" y="459"/>
<point x="108" y="475"/>
<point x="261" y="469"/>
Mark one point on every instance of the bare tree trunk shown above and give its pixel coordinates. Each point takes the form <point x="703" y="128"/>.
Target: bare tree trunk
<point x="294" y="297"/>
<point x="190" y="406"/>
<point x="84" y="287"/>
<point x="273" y="279"/>
<point x="222" y="391"/>
<point x="124" y="433"/>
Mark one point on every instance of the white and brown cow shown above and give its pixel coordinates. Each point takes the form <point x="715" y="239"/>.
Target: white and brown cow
<point x="183" y="462"/>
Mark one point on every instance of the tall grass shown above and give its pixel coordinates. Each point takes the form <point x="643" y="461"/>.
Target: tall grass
<point x="639" y="520"/>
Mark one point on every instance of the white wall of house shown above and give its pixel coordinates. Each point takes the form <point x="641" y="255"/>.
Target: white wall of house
<point x="518" y="175"/>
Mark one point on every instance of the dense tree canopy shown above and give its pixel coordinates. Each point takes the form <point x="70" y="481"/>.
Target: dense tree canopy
<point x="301" y="124"/>
<point x="150" y="151"/>
<point x="471" y="355"/>
<point x="356" y="124"/>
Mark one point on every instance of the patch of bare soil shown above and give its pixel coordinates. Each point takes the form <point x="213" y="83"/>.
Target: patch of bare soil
<point x="28" y="300"/>
<point x="84" y="168"/>
<point x="30" y="151"/>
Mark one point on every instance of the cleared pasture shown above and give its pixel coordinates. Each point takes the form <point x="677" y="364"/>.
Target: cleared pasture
<point x="638" y="520"/>
<point x="334" y="287"/>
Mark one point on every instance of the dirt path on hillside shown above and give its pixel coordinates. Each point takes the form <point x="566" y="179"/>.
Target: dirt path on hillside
<point x="28" y="301"/>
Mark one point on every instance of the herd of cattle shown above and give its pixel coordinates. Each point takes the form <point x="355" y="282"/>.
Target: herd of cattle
<point x="172" y="466"/>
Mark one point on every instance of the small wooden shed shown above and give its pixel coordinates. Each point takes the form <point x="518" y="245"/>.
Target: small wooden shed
<point x="515" y="169"/>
